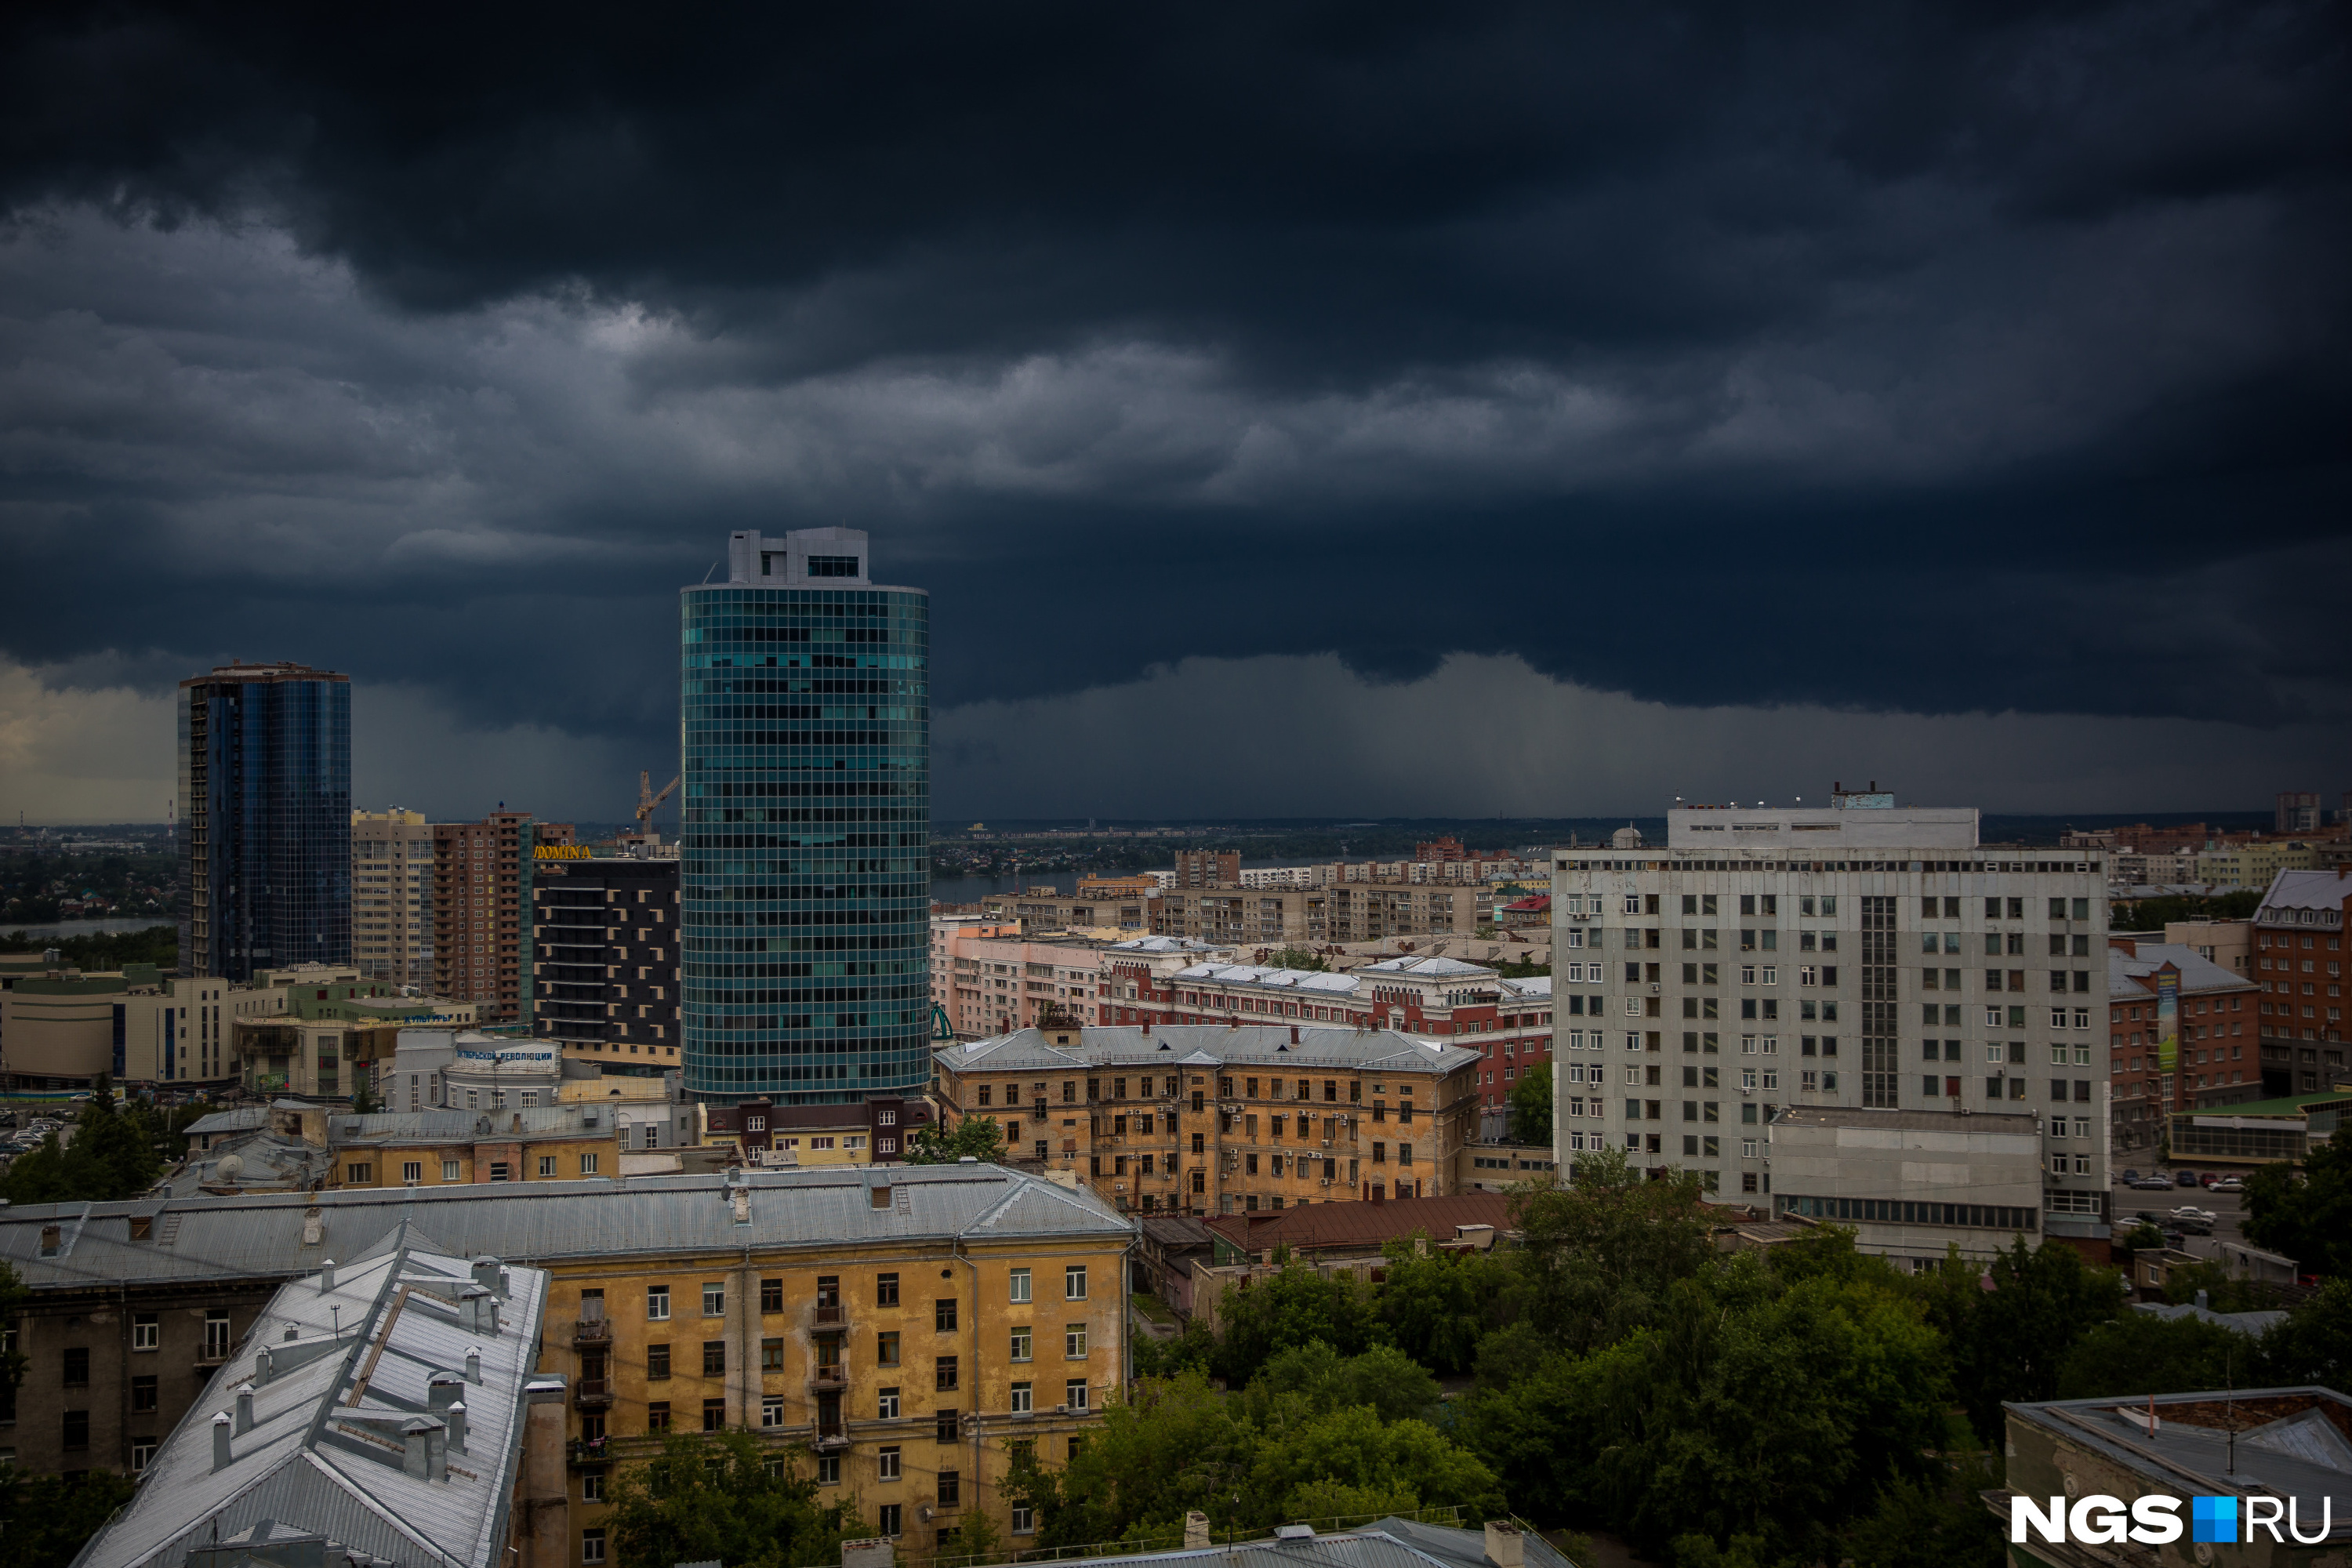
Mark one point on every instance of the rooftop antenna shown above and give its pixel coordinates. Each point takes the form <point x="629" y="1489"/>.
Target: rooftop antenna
<point x="706" y="576"/>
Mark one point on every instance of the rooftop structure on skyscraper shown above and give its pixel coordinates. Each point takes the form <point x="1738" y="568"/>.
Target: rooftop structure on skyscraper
<point x="805" y="876"/>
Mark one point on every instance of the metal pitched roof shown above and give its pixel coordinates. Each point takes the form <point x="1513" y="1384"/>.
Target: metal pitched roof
<point x="1253" y="1045"/>
<point x="265" y="1235"/>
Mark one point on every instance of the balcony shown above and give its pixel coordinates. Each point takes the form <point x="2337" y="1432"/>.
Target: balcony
<point x="831" y="1437"/>
<point x="593" y="1394"/>
<point x="830" y="1379"/>
<point x="588" y="1450"/>
<point x="592" y="1332"/>
<point x="831" y="1317"/>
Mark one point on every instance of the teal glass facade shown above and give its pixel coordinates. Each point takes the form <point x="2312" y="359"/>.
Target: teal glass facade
<point x="805" y="874"/>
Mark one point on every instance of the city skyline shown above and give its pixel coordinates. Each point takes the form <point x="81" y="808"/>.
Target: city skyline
<point x="1743" y="400"/>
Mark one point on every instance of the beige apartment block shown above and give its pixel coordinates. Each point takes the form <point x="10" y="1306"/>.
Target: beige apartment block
<point x="391" y="896"/>
<point x="1223" y="1119"/>
<point x="1341" y="913"/>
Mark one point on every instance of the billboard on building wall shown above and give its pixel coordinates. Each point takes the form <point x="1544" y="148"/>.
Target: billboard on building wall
<point x="2167" y="1018"/>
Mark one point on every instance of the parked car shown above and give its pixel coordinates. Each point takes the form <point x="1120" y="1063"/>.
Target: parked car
<point x="2131" y="1176"/>
<point x="2206" y="1178"/>
<point x="2185" y="1179"/>
<point x="2229" y="1184"/>
<point x="2195" y="1221"/>
<point x="2152" y="1183"/>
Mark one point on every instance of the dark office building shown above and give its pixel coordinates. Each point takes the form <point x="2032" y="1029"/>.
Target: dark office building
<point x="805" y="690"/>
<point x="605" y="980"/>
<point x="265" y="819"/>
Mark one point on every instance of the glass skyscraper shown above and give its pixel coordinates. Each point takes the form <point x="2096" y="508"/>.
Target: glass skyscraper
<point x="806" y="881"/>
<point x="265" y="819"/>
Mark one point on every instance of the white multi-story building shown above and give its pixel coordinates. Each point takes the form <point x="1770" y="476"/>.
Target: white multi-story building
<point x="1851" y="962"/>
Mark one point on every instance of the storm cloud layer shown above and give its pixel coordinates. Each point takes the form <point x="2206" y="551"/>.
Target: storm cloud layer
<point x="1931" y="363"/>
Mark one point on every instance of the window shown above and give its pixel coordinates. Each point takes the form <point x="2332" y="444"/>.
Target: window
<point x="886" y="1464"/>
<point x="592" y="1486"/>
<point x="886" y="1348"/>
<point x="498" y="1171"/>
<point x="1073" y="1394"/>
<point x="546" y="1167"/>
<point x="1074" y="1283"/>
<point x="714" y="1415"/>
<point x="77" y="1429"/>
<point x="888" y="1516"/>
<point x="657" y="1415"/>
<point x="828" y="1470"/>
<point x="943" y="1427"/>
<point x="714" y="1299"/>
<point x="943" y="1316"/>
<point x="771" y="1410"/>
<point x="592" y="1545"/>
<point x="1021" y="1399"/>
<point x="412" y="1172"/>
<point x="216" y="1335"/>
<point x="886" y="1289"/>
<point x="714" y="1358"/>
<point x="1020" y="1344"/>
<point x="886" y="1407"/>
<point x="451" y="1170"/>
<point x="78" y="1366"/>
<point x="772" y="1294"/>
<point x="943" y="1374"/>
<point x="1020" y="1285"/>
<point x="772" y="1355"/>
<point x="1073" y="1340"/>
<point x="657" y="1303"/>
<point x="146" y="1332"/>
<point x="359" y="1172"/>
<point x="951" y="1488"/>
<point x="1025" y="1519"/>
<point x="144" y="1394"/>
<point x="658" y="1361"/>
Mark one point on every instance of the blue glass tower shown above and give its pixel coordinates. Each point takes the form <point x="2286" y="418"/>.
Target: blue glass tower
<point x="265" y="819"/>
<point x="806" y="878"/>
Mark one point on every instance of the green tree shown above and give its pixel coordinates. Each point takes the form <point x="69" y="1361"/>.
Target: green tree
<point x="724" y="1497"/>
<point x="1600" y="1252"/>
<point x="2011" y="1323"/>
<point x="1294" y="1306"/>
<point x="114" y="1154"/>
<point x="1299" y="958"/>
<point x="1437" y="1306"/>
<point x="2304" y="1208"/>
<point x="1191" y="1348"/>
<point x="1751" y="1407"/>
<point x="44" y="1520"/>
<point x="977" y="1136"/>
<point x="2313" y="1342"/>
<point x="2139" y="1353"/>
<point x="1317" y="1380"/>
<point x="1939" y="1520"/>
<point x="1532" y="1106"/>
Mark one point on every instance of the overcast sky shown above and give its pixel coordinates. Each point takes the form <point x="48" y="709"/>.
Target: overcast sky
<point x="1291" y="408"/>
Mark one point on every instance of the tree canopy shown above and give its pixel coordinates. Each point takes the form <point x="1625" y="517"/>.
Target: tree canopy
<point x="2304" y="1208"/>
<point x="724" y="1497"/>
<point x="115" y="1153"/>
<point x="978" y="1136"/>
<point x="1532" y="1106"/>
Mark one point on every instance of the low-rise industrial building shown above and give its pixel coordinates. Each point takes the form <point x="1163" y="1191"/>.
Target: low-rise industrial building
<point x="1912" y="1183"/>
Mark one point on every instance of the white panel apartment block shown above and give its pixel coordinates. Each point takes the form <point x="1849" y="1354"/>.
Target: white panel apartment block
<point x="1764" y="961"/>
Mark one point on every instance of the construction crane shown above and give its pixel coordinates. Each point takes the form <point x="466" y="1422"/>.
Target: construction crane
<point x="647" y="799"/>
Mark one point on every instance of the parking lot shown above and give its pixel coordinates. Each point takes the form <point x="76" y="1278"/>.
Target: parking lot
<point x="2229" y="1210"/>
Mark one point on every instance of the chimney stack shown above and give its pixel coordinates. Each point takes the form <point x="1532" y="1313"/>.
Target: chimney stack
<point x="456" y="1414"/>
<point x="326" y="1276"/>
<point x="244" y="1408"/>
<point x="1196" y="1531"/>
<point x="473" y="1364"/>
<point x="220" y="1442"/>
<point x="1505" y="1547"/>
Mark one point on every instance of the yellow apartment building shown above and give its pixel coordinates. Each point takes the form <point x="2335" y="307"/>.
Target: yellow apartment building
<point x="1223" y="1119"/>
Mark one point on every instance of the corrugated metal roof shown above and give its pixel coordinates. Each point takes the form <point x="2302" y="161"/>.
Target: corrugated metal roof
<point x="1253" y="1045"/>
<point x="1385" y="1543"/>
<point x="262" y="1236"/>
<point x="353" y="1364"/>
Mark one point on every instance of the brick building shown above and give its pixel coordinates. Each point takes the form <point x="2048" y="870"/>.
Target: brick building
<point x="482" y="874"/>
<point x="2299" y="932"/>
<point x="2217" y="1060"/>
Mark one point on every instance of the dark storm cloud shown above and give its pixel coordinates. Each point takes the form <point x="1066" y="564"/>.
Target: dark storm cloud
<point x="1887" y="358"/>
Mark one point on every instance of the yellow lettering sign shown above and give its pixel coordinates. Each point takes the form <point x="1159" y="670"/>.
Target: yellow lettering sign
<point x="560" y="852"/>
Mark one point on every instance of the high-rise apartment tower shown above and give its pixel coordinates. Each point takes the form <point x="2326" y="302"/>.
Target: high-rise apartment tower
<point x="482" y="939"/>
<point x="807" y="871"/>
<point x="265" y="819"/>
<point x="391" y="896"/>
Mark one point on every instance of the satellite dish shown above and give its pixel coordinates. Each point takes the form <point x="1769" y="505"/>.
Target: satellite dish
<point x="229" y="1167"/>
